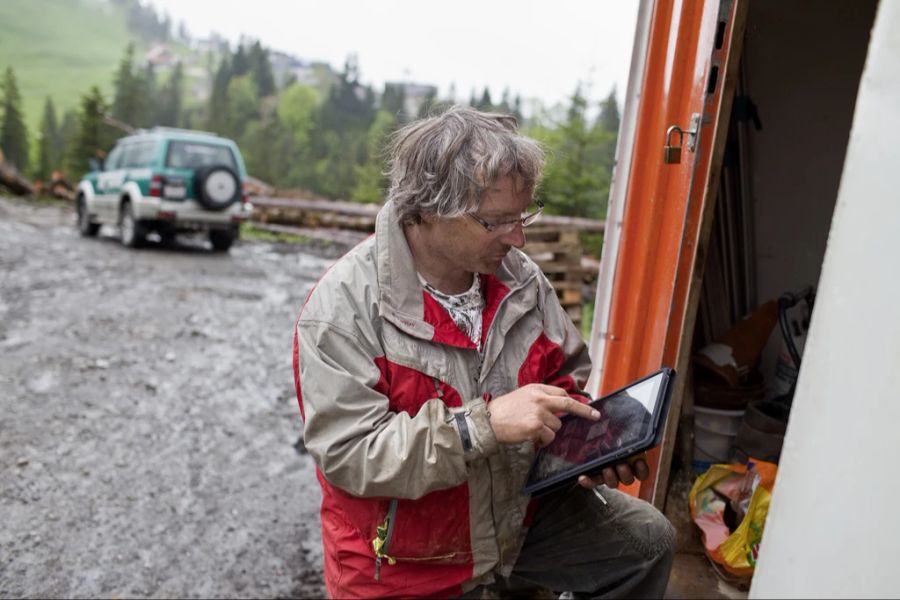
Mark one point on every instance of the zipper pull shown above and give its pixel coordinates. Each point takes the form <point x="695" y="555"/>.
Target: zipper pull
<point x="377" y="568"/>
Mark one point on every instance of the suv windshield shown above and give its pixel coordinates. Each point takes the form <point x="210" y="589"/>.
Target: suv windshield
<point x="191" y="155"/>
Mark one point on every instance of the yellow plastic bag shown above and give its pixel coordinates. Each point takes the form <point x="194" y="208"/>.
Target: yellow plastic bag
<point x="729" y="503"/>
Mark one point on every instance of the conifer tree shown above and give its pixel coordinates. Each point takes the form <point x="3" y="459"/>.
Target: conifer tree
<point x="68" y="129"/>
<point x="13" y="133"/>
<point x="128" y="102"/>
<point x="485" y="103"/>
<point x="240" y="63"/>
<point x="93" y="137"/>
<point x="371" y="183"/>
<point x="49" y="143"/>
<point x="393" y="100"/>
<point x="261" y="70"/>
<point x="575" y="182"/>
<point x="171" y="98"/>
<point x="609" y="113"/>
<point x="149" y="95"/>
<point x="217" y="117"/>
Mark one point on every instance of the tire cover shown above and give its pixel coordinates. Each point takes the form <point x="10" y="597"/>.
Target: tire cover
<point x="217" y="187"/>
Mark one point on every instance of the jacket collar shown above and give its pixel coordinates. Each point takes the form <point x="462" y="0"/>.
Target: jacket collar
<point x="400" y="292"/>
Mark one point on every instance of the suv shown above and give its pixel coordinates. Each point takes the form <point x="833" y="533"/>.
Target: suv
<point x="166" y="180"/>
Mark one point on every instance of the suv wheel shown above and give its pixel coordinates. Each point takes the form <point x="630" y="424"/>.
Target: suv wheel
<point x="221" y="239"/>
<point x="217" y="187"/>
<point x="86" y="227"/>
<point x="131" y="231"/>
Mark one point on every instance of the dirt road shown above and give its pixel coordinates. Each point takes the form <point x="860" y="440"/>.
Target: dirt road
<point x="148" y="418"/>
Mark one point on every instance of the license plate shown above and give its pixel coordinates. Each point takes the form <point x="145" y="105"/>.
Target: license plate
<point x="173" y="191"/>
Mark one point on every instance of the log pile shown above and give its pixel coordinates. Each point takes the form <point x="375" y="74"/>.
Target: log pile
<point x="11" y="179"/>
<point x="340" y="236"/>
<point x="301" y="212"/>
<point x="553" y="243"/>
<point x="57" y="187"/>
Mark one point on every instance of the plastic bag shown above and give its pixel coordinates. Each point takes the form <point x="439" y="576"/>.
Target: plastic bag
<point x="729" y="503"/>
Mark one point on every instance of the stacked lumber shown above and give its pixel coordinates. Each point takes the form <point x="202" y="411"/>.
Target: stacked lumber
<point x="553" y="243"/>
<point x="300" y="212"/>
<point x="559" y="254"/>
<point x="340" y="236"/>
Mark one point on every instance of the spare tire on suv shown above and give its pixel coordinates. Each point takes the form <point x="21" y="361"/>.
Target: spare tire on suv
<point x="217" y="187"/>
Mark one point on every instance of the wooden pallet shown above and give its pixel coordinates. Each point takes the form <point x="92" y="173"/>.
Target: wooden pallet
<point x="558" y="252"/>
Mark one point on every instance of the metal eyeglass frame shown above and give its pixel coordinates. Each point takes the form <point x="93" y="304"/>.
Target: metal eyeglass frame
<point x="508" y="226"/>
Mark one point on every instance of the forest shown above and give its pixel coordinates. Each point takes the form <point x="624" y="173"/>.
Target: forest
<point x="323" y="140"/>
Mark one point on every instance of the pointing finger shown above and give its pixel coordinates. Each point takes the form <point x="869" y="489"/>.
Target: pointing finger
<point x="574" y="407"/>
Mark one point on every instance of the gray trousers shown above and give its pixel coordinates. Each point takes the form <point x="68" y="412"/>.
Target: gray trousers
<point x="606" y="546"/>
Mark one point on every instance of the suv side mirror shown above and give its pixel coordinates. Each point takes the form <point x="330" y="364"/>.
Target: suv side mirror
<point x="95" y="164"/>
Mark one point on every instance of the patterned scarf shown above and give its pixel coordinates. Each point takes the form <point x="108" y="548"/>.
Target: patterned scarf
<point x="465" y="309"/>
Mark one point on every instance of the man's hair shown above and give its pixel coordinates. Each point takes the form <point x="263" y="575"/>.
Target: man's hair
<point x="441" y="165"/>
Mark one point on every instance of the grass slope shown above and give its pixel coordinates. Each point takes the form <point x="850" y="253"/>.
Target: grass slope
<point x="60" y="48"/>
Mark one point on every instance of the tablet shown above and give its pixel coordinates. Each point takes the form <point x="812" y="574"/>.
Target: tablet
<point x="632" y="420"/>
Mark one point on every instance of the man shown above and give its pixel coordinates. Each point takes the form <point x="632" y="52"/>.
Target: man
<point x="430" y="362"/>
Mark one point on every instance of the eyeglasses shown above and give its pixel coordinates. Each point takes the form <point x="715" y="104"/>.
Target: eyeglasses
<point x="507" y="226"/>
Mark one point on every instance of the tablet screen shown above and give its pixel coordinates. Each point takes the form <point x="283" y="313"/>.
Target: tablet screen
<point x="626" y="423"/>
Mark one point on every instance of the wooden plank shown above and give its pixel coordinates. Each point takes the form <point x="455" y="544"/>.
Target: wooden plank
<point x="573" y="223"/>
<point x="349" y="238"/>
<point x="568" y="249"/>
<point x="552" y="234"/>
<point x="568" y="285"/>
<point x="313" y="205"/>
<point x="568" y="297"/>
<point x="567" y="270"/>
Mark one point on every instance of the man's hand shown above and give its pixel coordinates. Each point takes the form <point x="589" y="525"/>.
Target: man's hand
<point x="529" y="413"/>
<point x="624" y="472"/>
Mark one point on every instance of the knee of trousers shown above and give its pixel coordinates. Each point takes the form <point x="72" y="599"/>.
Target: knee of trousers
<point x="659" y="534"/>
<point x="651" y="530"/>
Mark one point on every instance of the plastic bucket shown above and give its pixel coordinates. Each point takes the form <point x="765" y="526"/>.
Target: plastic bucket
<point x="714" y="433"/>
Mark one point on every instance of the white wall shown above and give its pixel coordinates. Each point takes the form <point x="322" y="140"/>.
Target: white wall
<point x="834" y="525"/>
<point x="802" y="63"/>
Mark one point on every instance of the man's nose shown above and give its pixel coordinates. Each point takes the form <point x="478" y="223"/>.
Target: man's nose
<point x="516" y="237"/>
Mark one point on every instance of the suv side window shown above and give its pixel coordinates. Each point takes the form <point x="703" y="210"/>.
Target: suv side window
<point x="113" y="159"/>
<point x="193" y="155"/>
<point x="138" y="155"/>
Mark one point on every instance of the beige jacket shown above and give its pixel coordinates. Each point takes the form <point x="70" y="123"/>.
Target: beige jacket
<point x="418" y="496"/>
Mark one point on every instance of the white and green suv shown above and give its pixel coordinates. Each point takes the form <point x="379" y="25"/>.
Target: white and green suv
<point x="168" y="181"/>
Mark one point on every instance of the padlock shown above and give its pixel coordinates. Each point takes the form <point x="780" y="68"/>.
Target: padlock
<point x="672" y="154"/>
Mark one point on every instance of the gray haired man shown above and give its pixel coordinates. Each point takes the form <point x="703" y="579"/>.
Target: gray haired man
<point x="430" y="362"/>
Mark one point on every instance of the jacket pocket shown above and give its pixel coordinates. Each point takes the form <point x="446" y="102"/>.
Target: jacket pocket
<point x="434" y="528"/>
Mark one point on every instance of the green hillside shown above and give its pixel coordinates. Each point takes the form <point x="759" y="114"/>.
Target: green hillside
<point x="60" y="48"/>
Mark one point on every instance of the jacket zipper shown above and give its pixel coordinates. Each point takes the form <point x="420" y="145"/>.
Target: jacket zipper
<point x="382" y="541"/>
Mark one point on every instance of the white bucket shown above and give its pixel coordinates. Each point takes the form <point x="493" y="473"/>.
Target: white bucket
<point x="714" y="433"/>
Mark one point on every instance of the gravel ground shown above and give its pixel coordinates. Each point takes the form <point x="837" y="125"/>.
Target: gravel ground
<point x="148" y="423"/>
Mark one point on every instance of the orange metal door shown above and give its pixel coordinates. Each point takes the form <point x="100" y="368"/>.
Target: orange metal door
<point x="691" y="63"/>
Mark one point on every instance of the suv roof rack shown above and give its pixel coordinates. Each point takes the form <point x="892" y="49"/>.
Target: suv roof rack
<point x="178" y="130"/>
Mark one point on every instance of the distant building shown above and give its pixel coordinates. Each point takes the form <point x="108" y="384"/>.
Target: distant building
<point x="286" y="68"/>
<point x="159" y="55"/>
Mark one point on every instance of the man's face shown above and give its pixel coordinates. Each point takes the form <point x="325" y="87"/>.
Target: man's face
<point x="465" y="245"/>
